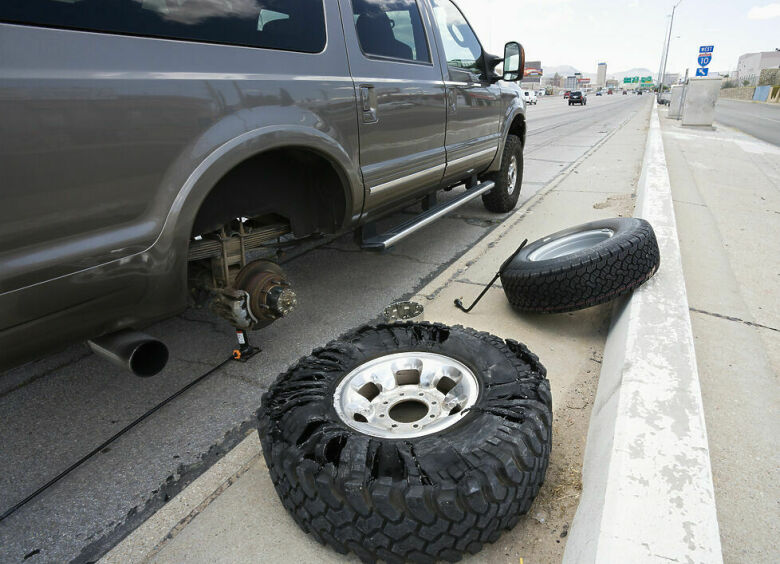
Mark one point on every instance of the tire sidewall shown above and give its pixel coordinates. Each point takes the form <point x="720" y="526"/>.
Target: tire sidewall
<point x="492" y="362"/>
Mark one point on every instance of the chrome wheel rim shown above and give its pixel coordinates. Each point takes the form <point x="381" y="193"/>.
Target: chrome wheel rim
<point x="406" y="395"/>
<point x="512" y="175"/>
<point x="569" y="244"/>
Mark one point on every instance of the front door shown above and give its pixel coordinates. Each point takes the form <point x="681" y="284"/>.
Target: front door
<point x="473" y="104"/>
<point x="401" y="99"/>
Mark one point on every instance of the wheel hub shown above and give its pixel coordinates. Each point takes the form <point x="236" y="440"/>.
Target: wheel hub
<point x="269" y="293"/>
<point x="512" y="176"/>
<point x="405" y="395"/>
<point x="569" y="244"/>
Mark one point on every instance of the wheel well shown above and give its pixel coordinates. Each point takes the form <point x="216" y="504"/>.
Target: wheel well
<point x="295" y="183"/>
<point x="518" y="128"/>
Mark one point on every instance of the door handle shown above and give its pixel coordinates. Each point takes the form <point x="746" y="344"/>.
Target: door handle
<point x="368" y="103"/>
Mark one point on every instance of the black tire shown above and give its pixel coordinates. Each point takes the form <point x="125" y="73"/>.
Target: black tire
<point x="594" y="275"/>
<point x="419" y="499"/>
<point x="503" y="197"/>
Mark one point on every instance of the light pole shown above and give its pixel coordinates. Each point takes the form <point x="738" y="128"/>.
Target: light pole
<point x="668" y="40"/>
<point x="661" y="62"/>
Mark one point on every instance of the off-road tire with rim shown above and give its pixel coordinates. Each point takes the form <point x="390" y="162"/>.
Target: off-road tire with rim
<point x="503" y="197"/>
<point x="425" y="496"/>
<point x="582" y="266"/>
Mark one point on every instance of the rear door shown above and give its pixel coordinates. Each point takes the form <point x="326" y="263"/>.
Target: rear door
<point x="401" y="101"/>
<point x="473" y="104"/>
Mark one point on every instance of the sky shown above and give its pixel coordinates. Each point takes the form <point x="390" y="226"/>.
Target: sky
<point x="627" y="34"/>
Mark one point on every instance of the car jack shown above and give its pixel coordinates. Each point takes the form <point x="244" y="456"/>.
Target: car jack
<point x="459" y="303"/>
<point x="244" y="351"/>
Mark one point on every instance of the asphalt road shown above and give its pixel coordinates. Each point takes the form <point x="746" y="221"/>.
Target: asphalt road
<point x="754" y="118"/>
<point x="55" y="410"/>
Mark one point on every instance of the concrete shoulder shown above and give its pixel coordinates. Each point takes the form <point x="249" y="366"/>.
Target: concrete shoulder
<point x="647" y="483"/>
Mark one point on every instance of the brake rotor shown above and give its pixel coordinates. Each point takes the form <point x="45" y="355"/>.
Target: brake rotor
<point x="270" y="294"/>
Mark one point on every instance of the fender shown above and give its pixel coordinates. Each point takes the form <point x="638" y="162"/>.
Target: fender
<point x="240" y="144"/>
<point x="513" y="107"/>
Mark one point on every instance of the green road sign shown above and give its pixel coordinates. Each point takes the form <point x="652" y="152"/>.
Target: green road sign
<point x="646" y="79"/>
<point x="627" y="80"/>
<point x="634" y="79"/>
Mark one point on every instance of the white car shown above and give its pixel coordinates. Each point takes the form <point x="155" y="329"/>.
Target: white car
<point x="530" y="97"/>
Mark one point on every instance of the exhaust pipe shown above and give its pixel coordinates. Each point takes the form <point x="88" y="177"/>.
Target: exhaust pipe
<point x="137" y="352"/>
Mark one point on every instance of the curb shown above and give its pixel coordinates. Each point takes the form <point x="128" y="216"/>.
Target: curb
<point x="647" y="483"/>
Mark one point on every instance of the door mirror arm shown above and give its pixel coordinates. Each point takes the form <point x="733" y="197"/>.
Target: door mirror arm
<point x="489" y="63"/>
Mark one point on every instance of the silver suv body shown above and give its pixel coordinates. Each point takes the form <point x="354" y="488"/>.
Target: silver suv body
<point x="131" y="129"/>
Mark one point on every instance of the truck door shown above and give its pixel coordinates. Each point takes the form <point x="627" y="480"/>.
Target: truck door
<point x="401" y="100"/>
<point x="473" y="104"/>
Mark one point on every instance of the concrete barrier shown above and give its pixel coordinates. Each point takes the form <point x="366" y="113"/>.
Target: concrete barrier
<point x="647" y="484"/>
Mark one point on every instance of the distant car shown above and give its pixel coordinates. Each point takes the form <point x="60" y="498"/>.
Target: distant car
<point x="638" y="92"/>
<point x="530" y="97"/>
<point x="625" y="93"/>
<point x="599" y="93"/>
<point x="578" y="97"/>
<point x="610" y="92"/>
<point x="566" y="94"/>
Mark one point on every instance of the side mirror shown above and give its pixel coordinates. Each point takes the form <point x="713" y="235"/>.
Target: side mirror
<point x="514" y="61"/>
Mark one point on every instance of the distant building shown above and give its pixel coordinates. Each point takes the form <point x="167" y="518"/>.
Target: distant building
<point x="571" y="82"/>
<point x="750" y="65"/>
<point x="612" y="83"/>
<point x="601" y="75"/>
<point x="671" y="78"/>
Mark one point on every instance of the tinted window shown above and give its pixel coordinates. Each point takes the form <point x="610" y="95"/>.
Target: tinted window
<point x="295" y="25"/>
<point x="461" y="46"/>
<point x="392" y="29"/>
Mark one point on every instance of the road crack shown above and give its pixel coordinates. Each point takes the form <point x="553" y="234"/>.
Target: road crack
<point x="735" y="319"/>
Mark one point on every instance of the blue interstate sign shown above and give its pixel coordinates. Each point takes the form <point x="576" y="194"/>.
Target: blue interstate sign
<point x="706" y="48"/>
<point x="704" y="60"/>
<point x="701" y="72"/>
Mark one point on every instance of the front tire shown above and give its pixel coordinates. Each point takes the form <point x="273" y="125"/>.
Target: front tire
<point x="509" y="179"/>
<point x="359" y="478"/>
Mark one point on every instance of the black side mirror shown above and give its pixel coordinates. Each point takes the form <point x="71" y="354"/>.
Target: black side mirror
<point x="514" y="61"/>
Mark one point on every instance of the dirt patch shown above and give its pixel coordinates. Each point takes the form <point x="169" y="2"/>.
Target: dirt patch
<point x="622" y="204"/>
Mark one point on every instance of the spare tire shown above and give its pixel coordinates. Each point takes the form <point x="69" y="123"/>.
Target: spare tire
<point x="410" y="441"/>
<point x="582" y="266"/>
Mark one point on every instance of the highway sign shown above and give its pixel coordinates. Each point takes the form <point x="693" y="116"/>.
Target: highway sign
<point x="627" y="80"/>
<point x="634" y="79"/>
<point x="706" y="49"/>
<point x="704" y="60"/>
<point x="701" y="72"/>
<point x="646" y="79"/>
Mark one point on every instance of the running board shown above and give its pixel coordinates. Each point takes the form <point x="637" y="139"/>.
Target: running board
<point x="389" y="238"/>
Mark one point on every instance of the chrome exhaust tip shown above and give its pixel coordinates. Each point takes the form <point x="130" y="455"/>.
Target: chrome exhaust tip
<point x="137" y="352"/>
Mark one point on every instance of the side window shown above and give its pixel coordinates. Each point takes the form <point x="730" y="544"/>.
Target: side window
<point x="461" y="46"/>
<point x="293" y="25"/>
<point x="391" y="28"/>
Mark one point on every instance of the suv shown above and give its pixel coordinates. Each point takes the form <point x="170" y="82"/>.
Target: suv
<point x="151" y="151"/>
<point x="530" y="97"/>
<point x="578" y="97"/>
